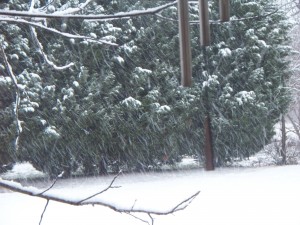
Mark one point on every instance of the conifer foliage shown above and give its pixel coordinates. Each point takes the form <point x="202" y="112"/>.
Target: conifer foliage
<point x="120" y="105"/>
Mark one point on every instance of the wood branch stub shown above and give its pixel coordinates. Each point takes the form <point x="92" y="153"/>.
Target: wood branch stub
<point x="185" y="45"/>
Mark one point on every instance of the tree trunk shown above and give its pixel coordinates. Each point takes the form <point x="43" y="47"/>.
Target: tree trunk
<point x="283" y="140"/>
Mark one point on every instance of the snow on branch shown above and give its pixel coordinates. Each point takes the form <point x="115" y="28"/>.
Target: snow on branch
<point x="40" y="46"/>
<point x="68" y="35"/>
<point x="31" y="191"/>
<point x="104" y="190"/>
<point x="41" y="50"/>
<point x="17" y="93"/>
<point x="61" y="14"/>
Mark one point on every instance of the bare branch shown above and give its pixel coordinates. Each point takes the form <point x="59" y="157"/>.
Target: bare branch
<point x="68" y="35"/>
<point x="57" y="15"/>
<point x="106" y="189"/>
<point x="42" y="215"/>
<point x="52" y="185"/>
<point x="41" y="50"/>
<point x="152" y="219"/>
<point x="40" y="46"/>
<point x="138" y="218"/>
<point x="18" y="96"/>
<point x="182" y="205"/>
<point x="35" y="193"/>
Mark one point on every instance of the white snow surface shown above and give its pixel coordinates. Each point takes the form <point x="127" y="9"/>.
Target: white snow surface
<point x="229" y="196"/>
<point x="22" y="171"/>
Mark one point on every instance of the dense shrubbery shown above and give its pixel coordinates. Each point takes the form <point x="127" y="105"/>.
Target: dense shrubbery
<point x="124" y="107"/>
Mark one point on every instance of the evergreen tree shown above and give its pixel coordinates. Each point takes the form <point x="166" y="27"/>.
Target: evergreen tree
<point x="124" y="107"/>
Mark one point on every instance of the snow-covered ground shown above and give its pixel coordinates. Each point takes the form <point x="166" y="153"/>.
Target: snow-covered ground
<point x="229" y="196"/>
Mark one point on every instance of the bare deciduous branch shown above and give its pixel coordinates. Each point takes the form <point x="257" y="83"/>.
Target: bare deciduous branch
<point x="18" y="96"/>
<point x="42" y="215"/>
<point x="138" y="218"/>
<point x="41" y="50"/>
<point x="104" y="190"/>
<point x="152" y="219"/>
<point x="13" y="186"/>
<point x="40" y="46"/>
<point x="57" y="15"/>
<point x="52" y="185"/>
<point x="68" y="35"/>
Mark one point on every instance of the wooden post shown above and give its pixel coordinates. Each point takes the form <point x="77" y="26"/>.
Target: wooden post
<point x="224" y="10"/>
<point x="283" y="140"/>
<point x="208" y="141"/>
<point x="204" y="23"/>
<point x="208" y="146"/>
<point x="185" y="46"/>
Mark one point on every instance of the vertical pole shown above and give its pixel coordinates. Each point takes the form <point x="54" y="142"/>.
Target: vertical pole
<point x="224" y="10"/>
<point x="208" y="146"/>
<point x="185" y="46"/>
<point x="283" y="140"/>
<point x="205" y="41"/>
<point x="204" y="23"/>
<point x="208" y="142"/>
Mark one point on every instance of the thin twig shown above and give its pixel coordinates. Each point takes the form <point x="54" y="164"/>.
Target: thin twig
<point x="104" y="190"/>
<point x="45" y="208"/>
<point x="188" y="201"/>
<point x="133" y="204"/>
<point x="52" y="185"/>
<point x="152" y="219"/>
<point x="138" y="218"/>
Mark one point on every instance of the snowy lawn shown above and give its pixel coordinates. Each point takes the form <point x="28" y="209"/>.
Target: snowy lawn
<point x="244" y="196"/>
